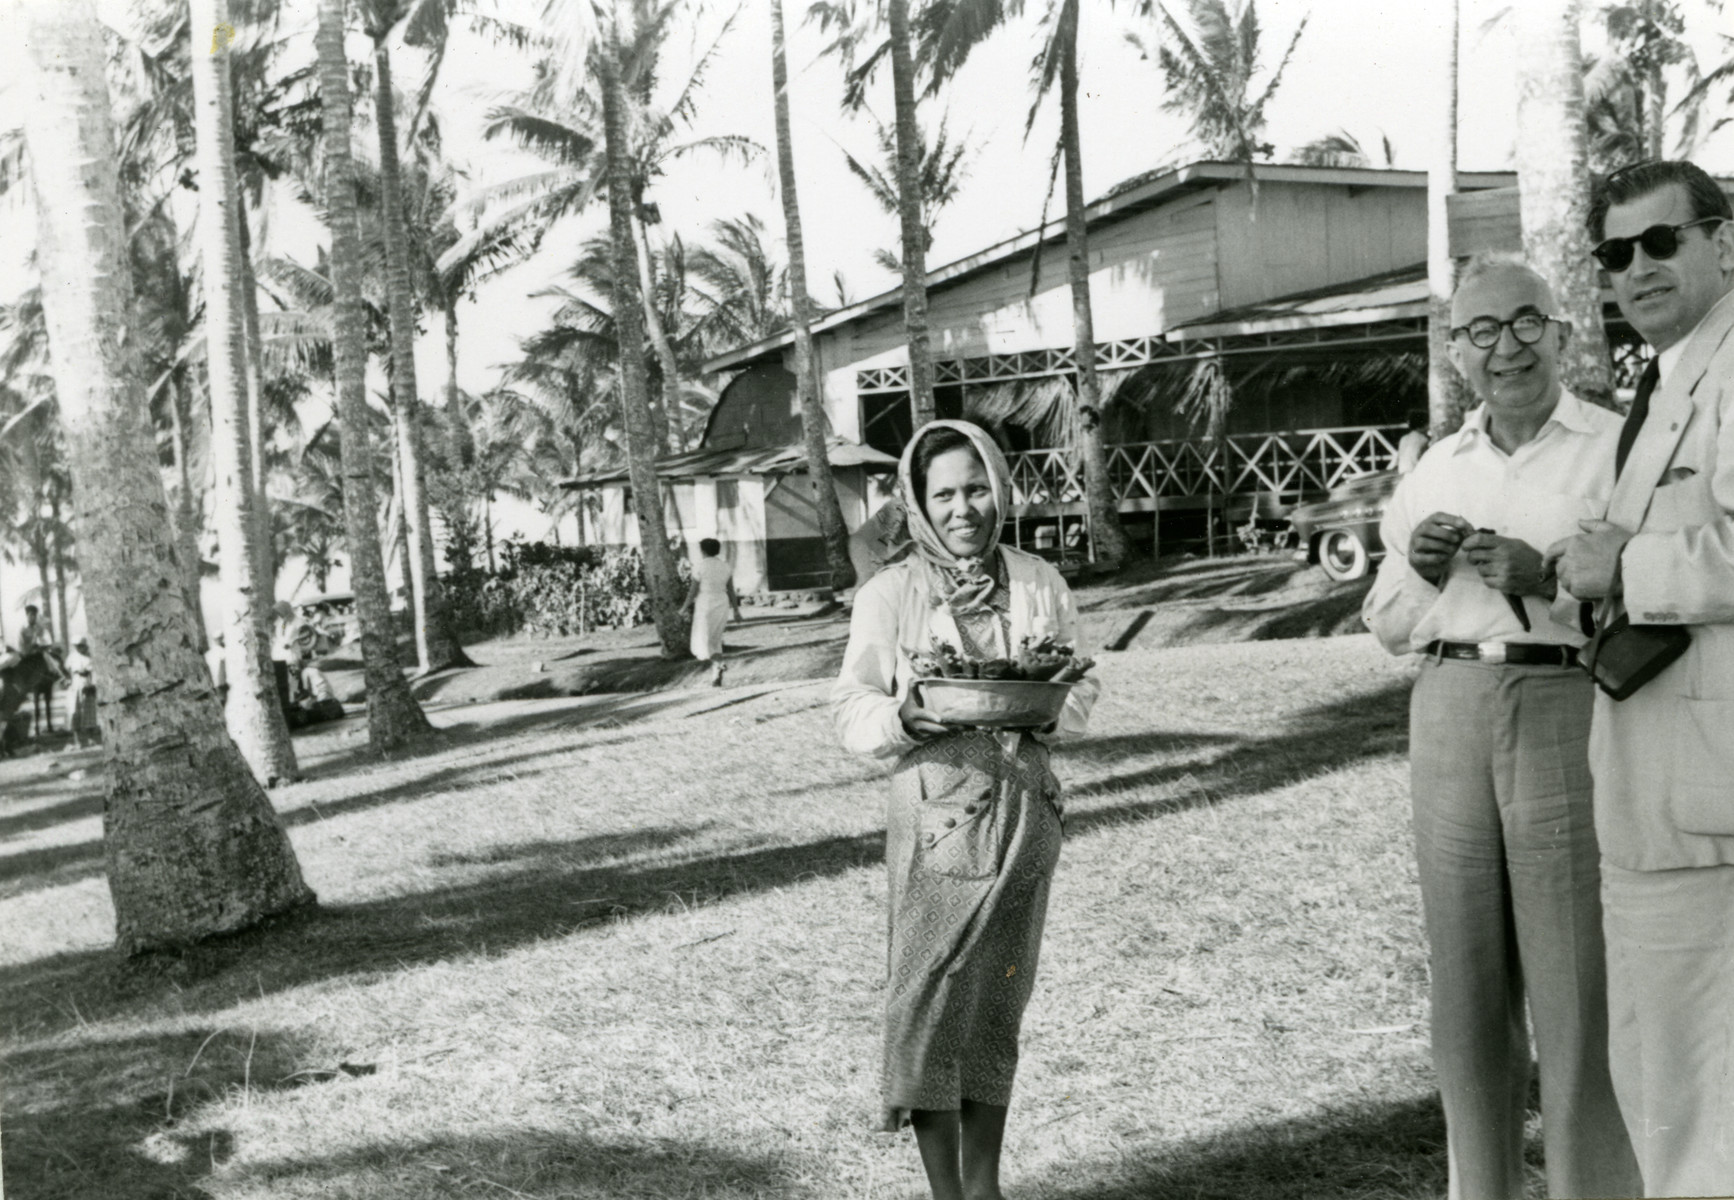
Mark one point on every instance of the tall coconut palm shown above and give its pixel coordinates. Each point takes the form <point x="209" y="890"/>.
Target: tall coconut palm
<point x="1553" y="187"/>
<point x="437" y="646"/>
<point x="939" y="180"/>
<point x="855" y="24"/>
<point x="813" y="425"/>
<point x="1446" y="398"/>
<point x="193" y="846"/>
<point x="659" y="567"/>
<point x="1210" y="63"/>
<point x="945" y="45"/>
<point x="393" y="716"/>
<point x="256" y="719"/>
<point x="566" y="129"/>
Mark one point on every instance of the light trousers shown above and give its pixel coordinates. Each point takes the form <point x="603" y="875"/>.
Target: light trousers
<point x="1670" y="941"/>
<point x="1510" y="888"/>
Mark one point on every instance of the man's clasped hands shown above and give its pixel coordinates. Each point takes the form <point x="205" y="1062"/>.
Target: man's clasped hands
<point x="1586" y="565"/>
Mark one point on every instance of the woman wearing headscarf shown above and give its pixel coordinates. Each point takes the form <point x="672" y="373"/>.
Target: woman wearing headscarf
<point x="974" y="821"/>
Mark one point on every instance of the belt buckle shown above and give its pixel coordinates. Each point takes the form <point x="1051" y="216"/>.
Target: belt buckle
<point x="1491" y="652"/>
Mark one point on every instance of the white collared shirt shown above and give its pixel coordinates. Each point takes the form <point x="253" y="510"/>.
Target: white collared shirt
<point x="1538" y="494"/>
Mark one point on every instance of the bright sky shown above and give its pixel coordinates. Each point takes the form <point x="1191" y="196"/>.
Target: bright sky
<point x="1361" y="65"/>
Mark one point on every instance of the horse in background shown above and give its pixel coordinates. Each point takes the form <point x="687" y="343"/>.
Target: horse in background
<point x="33" y="675"/>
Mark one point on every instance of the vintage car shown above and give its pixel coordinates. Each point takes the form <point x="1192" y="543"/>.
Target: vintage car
<point x="1341" y="532"/>
<point x="332" y="618"/>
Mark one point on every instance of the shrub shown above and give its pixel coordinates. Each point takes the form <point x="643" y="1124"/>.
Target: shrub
<point x="551" y="591"/>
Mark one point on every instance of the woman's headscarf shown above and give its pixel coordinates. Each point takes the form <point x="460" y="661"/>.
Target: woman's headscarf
<point x="961" y="584"/>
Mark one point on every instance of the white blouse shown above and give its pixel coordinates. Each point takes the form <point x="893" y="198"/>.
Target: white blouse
<point x="894" y="618"/>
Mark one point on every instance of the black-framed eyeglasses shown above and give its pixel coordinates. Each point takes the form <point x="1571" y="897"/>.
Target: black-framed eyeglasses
<point x="1484" y="332"/>
<point x="1659" y="242"/>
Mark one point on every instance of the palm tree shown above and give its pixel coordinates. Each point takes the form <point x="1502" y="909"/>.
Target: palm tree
<point x="437" y="647"/>
<point x="256" y="719"/>
<point x="1447" y="396"/>
<point x="393" y="716"/>
<point x="1210" y="64"/>
<point x="1553" y="185"/>
<point x="855" y="23"/>
<point x="1344" y="149"/>
<point x="659" y="568"/>
<point x="568" y="132"/>
<point x="939" y="179"/>
<point x="193" y="846"/>
<point x="813" y="426"/>
<point x="945" y="45"/>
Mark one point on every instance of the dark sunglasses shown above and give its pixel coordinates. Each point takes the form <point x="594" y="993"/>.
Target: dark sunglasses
<point x="1484" y="332"/>
<point x="1659" y="242"/>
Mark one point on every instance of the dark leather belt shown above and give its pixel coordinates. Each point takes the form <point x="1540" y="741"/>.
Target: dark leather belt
<point x="1528" y="654"/>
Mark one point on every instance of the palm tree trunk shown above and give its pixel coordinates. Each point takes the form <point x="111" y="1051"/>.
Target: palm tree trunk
<point x="669" y="432"/>
<point x="193" y="847"/>
<point x="813" y="425"/>
<point x="183" y="516"/>
<point x="44" y="567"/>
<point x="463" y="448"/>
<point x="1553" y="182"/>
<point x="1446" y="399"/>
<point x="65" y="625"/>
<point x="263" y="540"/>
<point x="436" y="646"/>
<point x="909" y="216"/>
<point x="660" y="575"/>
<point x="393" y="716"/>
<point x="1108" y="541"/>
<point x="1655" y="111"/>
<point x="256" y="719"/>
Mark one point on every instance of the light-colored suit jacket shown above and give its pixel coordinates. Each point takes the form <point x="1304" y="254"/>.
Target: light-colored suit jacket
<point x="1663" y="759"/>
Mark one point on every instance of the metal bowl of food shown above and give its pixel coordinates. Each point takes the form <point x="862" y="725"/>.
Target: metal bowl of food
<point x="993" y="703"/>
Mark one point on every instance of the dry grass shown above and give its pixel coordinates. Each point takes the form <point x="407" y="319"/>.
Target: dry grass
<point x="632" y="948"/>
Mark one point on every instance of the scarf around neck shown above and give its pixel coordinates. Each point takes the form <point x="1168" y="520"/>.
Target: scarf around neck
<point x="961" y="584"/>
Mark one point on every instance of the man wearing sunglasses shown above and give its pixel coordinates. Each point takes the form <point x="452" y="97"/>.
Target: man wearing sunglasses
<point x="1498" y="742"/>
<point x="1663" y="758"/>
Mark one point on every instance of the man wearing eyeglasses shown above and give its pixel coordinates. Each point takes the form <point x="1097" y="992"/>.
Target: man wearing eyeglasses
<point x="1663" y="758"/>
<point x="1498" y="744"/>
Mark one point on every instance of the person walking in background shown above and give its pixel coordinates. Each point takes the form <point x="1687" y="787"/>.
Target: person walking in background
<point x="1413" y="444"/>
<point x="84" y="723"/>
<point x="974" y="820"/>
<point x="1663" y="758"/>
<point x="1498" y="741"/>
<point x="710" y="601"/>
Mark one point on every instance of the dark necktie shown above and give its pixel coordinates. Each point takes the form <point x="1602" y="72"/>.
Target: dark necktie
<point x="1635" y="418"/>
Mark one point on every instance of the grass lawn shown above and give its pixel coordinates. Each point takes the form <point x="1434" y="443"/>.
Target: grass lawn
<point x="632" y="947"/>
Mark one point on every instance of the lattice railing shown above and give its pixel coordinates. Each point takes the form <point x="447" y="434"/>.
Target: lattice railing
<point x="1280" y="465"/>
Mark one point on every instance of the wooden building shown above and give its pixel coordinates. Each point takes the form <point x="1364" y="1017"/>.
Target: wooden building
<point x="1260" y="341"/>
<point x="1301" y="297"/>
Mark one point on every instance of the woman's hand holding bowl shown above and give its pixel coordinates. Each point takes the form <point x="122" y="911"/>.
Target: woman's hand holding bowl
<point x="920" y="722"/>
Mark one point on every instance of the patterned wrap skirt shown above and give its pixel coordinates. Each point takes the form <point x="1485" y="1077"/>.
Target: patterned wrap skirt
<point x="973" y="836"/>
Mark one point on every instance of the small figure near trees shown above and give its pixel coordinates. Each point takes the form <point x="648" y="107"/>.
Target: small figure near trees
<point x="709" y="602"/>
<point x="78" y="666"/>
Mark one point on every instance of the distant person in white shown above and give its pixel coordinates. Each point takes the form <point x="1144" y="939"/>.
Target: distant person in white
<point x="1412" y="445"/>
<point x="1499" y="750"/>
<point x="711" y="599"/>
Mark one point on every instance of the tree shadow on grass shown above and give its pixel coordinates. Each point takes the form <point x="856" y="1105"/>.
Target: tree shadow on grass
<point x="104" y="1117"/>
<point x="540" y="1163"/>
<point x="55" y="866"/>
<point x="1389" y="1152"/>
<point x="556" y="889"/>
<point x="117" y="1117"/>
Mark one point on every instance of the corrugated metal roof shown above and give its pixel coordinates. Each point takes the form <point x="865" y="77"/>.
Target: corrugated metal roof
<point x="1130" y="196"/>
<point x="1393" y="295"/>
<point x="741" y="460"/>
